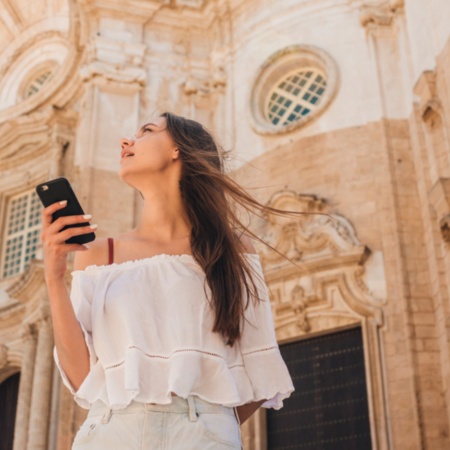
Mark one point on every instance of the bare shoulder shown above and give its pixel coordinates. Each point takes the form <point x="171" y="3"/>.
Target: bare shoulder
<point x="247" y="244"/>
<point x="97" y="254"/>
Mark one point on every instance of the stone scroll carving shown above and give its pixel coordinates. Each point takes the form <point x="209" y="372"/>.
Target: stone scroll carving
<point x="324" y="286"/>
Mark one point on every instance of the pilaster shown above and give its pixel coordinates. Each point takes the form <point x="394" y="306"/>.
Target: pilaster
<point x="29" y="335"/>
<point x="113" y="77"/>
<point x="41" y="387"/>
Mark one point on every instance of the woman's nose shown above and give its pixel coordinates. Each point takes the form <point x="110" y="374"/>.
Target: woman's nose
<point x="126" y="142"/>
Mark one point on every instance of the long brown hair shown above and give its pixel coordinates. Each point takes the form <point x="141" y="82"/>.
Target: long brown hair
<point x="211" y="197"/>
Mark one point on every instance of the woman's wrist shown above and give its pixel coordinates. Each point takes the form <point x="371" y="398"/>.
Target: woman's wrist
<point x="53" y="281"/>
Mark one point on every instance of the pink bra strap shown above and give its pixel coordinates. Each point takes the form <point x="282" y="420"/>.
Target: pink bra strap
<point x="110" y="250"/>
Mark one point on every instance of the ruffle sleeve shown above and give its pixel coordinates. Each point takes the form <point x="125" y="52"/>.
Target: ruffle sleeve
<point x="80" y="296"/>
<point x="264" y="365"/>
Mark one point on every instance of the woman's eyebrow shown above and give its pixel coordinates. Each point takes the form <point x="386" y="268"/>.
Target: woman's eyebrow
<point x="146" y="125"/>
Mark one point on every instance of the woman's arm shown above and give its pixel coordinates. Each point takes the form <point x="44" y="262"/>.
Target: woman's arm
<point x="247" y="410"/>
<point x="71" y="348"/>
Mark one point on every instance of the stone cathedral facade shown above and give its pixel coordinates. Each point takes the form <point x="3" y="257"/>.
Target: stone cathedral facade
<point x="333" y="106"/>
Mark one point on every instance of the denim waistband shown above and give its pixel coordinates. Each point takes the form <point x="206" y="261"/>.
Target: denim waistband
<point x="191" y="405"/>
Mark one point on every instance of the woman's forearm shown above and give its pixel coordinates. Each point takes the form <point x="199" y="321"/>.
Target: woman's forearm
<point x="70" y="345"/>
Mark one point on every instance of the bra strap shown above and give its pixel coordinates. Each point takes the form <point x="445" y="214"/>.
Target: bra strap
<point x="110" y="250"/>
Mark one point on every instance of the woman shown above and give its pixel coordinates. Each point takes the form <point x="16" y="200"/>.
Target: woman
<point x="167" y="335"/>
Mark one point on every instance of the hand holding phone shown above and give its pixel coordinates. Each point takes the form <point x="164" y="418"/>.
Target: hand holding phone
<point x="57" y="190"/>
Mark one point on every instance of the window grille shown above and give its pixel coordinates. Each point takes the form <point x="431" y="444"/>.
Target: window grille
<point x="329" y="408"/>
<point x="37" y="83"/>
<point x="21" y="238"/>
<point x="295" y="96"/>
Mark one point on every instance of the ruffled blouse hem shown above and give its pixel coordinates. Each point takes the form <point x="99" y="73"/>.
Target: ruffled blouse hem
<point x="276" y="402"/>
<point x="147" y="380"/>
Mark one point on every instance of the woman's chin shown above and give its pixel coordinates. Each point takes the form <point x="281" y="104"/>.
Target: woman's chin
<point x="124" y="175"/>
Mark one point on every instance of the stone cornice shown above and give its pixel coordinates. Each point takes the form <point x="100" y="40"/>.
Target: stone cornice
<point x="12" y="313"/>
<point x="135" y="10"/>
<point x="29" y="283"/>
<point x="140" y="10"/>
<point x="28" y="137"/>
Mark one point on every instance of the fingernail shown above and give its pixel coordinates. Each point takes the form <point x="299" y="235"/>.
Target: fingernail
<point x="87" y="216"/>
<point x="93" y="226"/>
<point x="63" y="202"/>
<point x="86" y="245"/>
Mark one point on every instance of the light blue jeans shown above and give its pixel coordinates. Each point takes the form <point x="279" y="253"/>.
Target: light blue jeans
<point x="185" y="424"/>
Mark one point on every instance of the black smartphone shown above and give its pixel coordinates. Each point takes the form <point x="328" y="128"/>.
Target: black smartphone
<point x="57" y="190"/>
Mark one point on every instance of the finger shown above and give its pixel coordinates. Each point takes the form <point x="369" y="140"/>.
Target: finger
<point x="49" y="210"/>
<point x="63" y="236"/>
<point x="61" y="222"/>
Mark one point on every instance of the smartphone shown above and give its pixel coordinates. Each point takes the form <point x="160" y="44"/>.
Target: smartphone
<point x="57" y="190"/>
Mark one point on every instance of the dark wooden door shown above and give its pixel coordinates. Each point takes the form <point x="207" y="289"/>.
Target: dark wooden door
<point x="9" y="391"/>
<point x="329" y="409"/>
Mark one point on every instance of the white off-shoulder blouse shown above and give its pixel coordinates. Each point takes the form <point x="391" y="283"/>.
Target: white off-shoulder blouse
<point x="148" y="328"/>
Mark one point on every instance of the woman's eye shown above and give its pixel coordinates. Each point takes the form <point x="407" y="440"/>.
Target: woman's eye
<point x="147" y="129"/>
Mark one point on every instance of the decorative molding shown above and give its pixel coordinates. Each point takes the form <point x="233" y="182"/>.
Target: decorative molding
<point x="136" y="11"/>
<point x="429" y="102"/>
<point x="108" y="72"/>
<point x="439" y="197"/>
<point x="444" y="226"/>
<point x="380" y="12"/>
<point x="64" y="77"/>
<point x="214" y="80"/>
<point x="28" y="331"/>
<point x="36" y="40"/>
<point x="275" y="67"/>
<point x="30" y="283"/>
<point x="299" y="304"/>
<point x="316" y="241"/>
<point x="3" y="356"/>
<point x="326" y="277"/>
<point x="116" y="61"/>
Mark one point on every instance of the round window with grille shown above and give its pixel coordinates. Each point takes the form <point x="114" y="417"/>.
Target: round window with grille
<point x="37" y="83"/>
<point x="291" y="88"/>
<point x="295" y="96"/>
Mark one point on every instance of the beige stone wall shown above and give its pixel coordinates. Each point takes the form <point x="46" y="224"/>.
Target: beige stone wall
<point x="377" y="159"/>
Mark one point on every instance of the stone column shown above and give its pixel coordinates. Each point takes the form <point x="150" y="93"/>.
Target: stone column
<point x="25" y="387"/>
<point x="40" y="400"/>
<point x="54" y="410"/>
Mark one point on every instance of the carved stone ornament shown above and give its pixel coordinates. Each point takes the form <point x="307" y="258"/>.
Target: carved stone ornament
<point x="109" y="72"/>
<point x="431" y="112"/>
<point x="444" y="225"/>
<point x="28" y="331"/>
<point x="299" y="305"/>
<point x="196" y="86"/>
<point x="323" y="286"/>
<point x="117" y="61"/>
<point x="379" y="12"/>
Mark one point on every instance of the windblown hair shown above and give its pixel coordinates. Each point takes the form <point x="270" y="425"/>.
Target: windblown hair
<point x="210" y="197"/>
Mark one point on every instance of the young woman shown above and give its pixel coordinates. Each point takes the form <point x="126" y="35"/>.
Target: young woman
<point x="167" y="335"/>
